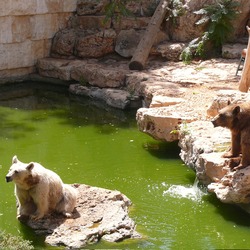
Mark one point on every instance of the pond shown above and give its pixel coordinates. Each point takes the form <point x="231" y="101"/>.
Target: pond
<point x="87" y="142"/>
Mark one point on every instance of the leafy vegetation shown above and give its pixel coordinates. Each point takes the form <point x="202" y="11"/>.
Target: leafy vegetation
<point x="10" y="242"/>
<point x="217" y="20"/>
<point x="115" y="9"/>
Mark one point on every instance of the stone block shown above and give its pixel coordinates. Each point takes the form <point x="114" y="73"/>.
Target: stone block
<point x="5" y="30"/>
<point x="69" y="6"/>
<point x="44" y="26"/>
<point x="5" y="7"/>
<point x="19" y="7"/>
<point x="3" y="57"/>
<point x="23" y="55"/>
<point x="57" y="68"/>
<point x="21" y="28"/>
<point x="99" y="75"/>
<point x="14" y="75"/>
<point x="26" y="54"/>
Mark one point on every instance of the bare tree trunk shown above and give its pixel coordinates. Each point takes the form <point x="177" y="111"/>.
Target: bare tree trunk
<point x="138" y="61"/>
<point x="245" y="76"/>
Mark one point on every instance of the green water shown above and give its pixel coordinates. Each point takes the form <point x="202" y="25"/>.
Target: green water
<point x="87" y="142"/>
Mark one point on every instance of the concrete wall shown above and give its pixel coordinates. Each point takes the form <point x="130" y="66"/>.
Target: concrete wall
<point x="26" y="30"/>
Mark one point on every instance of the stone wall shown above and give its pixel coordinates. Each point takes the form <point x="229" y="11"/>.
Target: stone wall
<point x="26" y="30"/>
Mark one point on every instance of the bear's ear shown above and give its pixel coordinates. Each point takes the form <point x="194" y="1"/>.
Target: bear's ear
<point x="30" y="166"/>
<point x="14" y="159"/>
<point x="236" y="110"/>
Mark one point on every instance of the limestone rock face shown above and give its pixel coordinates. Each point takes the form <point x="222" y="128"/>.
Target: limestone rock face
<point x="201" y="149"/>
<point x="100" y="214"/>
<point x="161" y="123"/>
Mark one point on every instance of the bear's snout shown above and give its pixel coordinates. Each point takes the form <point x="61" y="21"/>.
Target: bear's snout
<point x="8" y="178"/>
<point x="214" y="123"/>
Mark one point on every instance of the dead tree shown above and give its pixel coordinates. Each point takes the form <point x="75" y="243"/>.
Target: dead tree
<point x="139" y="59"/>
<point x="245" y="76"/>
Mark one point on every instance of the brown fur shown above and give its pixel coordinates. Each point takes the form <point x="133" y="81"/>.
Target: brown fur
<point x="236" y="117"/>
<point x="31" y="181"/>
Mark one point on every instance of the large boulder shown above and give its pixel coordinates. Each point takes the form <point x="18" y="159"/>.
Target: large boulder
<point x="90" y="43"/>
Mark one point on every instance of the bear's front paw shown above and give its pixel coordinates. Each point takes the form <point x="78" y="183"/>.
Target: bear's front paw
<point x="234" y="162"/>
<point x="36" y="216"/>
<point x="228" y="155"/>
<point x="22" y="217"/>
<point x="240" y="166"/>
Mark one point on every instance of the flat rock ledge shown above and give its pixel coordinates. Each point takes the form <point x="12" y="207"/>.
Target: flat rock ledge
<point x="100" y="214"/>
<point x="116" y="98"/>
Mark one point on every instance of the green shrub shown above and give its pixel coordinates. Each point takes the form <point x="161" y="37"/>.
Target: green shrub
<point x="217" y="20"/>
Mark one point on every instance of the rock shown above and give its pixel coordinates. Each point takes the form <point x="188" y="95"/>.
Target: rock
<point x="90" y="7"/>
<point x="170" y="51"/>
<point x="111" y="75"/>
<point x="91" y="43"/>
<point x="233" y="187"/>
<point x="89" y="23"/>
<point x="64" y="43"/>
<point x="94" y="45"/>
<point x="57" y="68"/>
<point x="127" y="23"/>
<point x="113" y="97"/>
<point x="164" y="101"/>
<point x="161" y="123"/>
<point x="201" y="147"/>
<point x="127" y="41"/>
<point x="232" y="51"/>
<point x="100" y="214"/>
<point x="224" y="98"/>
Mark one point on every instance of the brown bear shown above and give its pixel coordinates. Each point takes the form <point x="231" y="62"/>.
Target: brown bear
<point x="40" y="191"/>
<point x="236" y="117"/>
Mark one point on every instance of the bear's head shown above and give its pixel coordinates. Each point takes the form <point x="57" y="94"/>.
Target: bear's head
<point x="19" y="172"/>
<point x="227" y="117"/>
